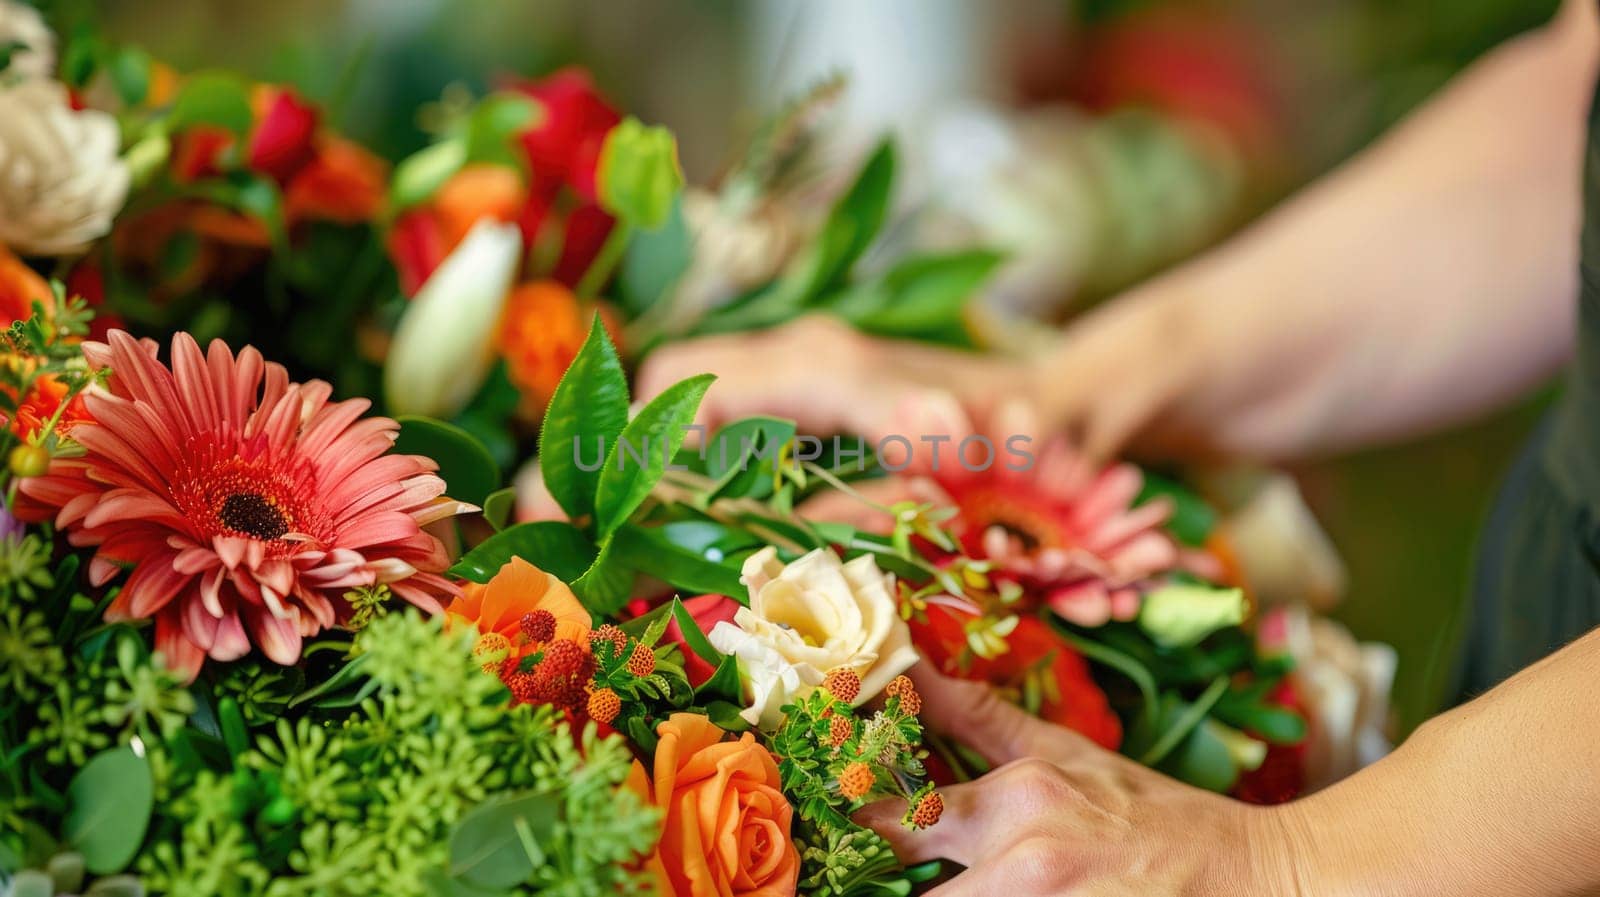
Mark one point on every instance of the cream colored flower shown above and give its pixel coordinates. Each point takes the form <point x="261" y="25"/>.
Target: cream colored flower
<point x="771" y="681"/>
<point x="817" y="614"/>
<point x="444" y="346"/>
<point x="22" y="24"/>
<point x="61" y="181"/>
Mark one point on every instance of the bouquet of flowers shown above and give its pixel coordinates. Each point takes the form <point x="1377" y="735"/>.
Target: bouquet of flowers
<point x="259" y="641"/>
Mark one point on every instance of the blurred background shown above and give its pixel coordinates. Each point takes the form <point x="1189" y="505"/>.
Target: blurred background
<point x="1096" y="140"/>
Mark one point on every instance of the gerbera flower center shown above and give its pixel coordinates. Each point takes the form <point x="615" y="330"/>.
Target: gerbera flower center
<point x="1032" y="525"/>
<point x="253" y="515"/>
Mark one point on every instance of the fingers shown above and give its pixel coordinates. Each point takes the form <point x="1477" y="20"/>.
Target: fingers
<point x="975" y="714"/>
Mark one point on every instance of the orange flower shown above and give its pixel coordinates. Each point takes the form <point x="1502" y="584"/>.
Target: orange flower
<point x="541" y="330"/>
<point x="521" y="588"/>
<point x="343" y="182"/>
<point x="726" y="830"/>
<point x="474" y="192"/>
<point x="19" y="286"/>
<point x="41" y="404"/>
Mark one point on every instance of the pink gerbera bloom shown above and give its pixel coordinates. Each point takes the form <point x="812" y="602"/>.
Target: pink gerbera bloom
<point x="246" y="506"/>
<point x="1069" y="532"/>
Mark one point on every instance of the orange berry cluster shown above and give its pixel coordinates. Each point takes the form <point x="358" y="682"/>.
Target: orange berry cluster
<point x="840" y="728"/>
<point x="559" y="676"/>
<point x="843" y="683"/>
<point x="612" y="635"/>
<point x="604" y="705"/>
<point x="856" y="780"/>
<point x="902" y="687"/>
<point x="928" y="810"/>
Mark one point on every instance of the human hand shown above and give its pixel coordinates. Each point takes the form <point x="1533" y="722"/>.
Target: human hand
<point x="829" y="378"/>
<point x="1062" y="816"/>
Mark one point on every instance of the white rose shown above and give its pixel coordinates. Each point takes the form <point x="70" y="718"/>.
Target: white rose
<point x="22" y="24"/>
<point x="444" y="346"/>
<point x="770" y="679"/>
<point x="817" y="614"/>
<point x="61" y="181"/>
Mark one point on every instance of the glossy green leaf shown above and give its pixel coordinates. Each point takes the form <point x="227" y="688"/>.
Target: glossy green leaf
<point x="130" y="74"/>
<point x="607" y="585"/>
<point x="725" y="715"/>
<point x="218" y="99"/>
<point x="693" y="636"/>
<point x="649" y="551"/>
<point x="852" y="224"/>
<point x="724" y="683"/>
<point x="498" y="507"/>
<point x="926" y="297"/>
<point x="1192" y="518"/>
<point x="110" y="799"/>
<point x="587" y="413"/>
<point x="558" y="548"/>
<point x="741" y="457"/>
<point x="491" y="846"/>
<point x="468" y="469"/>
<point x="638" y="459"/>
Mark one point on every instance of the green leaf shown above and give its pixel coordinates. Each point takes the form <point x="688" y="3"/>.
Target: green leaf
<point x="649" y="551"/>
<point x="607" y="585"/>
<point x="656" y="434"/>
<point x="31" y="883"/>
<point x="725" y="716"/>
<point x="730" y="454"/>
<point x="656" y="258"/>
<point x="1182" y="721"/>
<point x="558" y="548"/>
<point x="494" y="122"/>
<point x="1204" y="761"/>
<point x="111" y="799"/>
<point x="1192" y="519"/>
<point x="852" y="224"/>
<point x="421" y="174"/>
<point x="693" y="636"/>
<point x="130" y="73"/>
<point x="587" y="413"/>
<point x="467" y="467"/>
<point x="926" y="297"/>
<point x="498" y="505"/>
<point x="490" y="847"/>
<point x="221" y="99"/>
<point x="724" y="683"/>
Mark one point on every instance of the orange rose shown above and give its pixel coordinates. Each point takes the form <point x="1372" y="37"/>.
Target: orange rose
<point x="474" y="192"/>
<point x="726" y="825"/>
<point x="343" y="182"/>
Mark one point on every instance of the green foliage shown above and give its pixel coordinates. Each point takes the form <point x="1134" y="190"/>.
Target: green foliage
<point x="588" y="408"/>
<point x="638" y="174"/>
<point x="467" y="468"/>
<point x="557" y="548"/>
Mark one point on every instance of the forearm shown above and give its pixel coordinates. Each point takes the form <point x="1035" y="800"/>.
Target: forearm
<point x="1498" y="797"/>
<point x="1428" y="279"/>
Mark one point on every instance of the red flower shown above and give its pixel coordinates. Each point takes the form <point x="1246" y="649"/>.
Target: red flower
<point x="1070" y="697"/>
<point x="342" y="182"/>
<point x="282" y="141"/>
<point x="1281" y="777"/>
<point x="564" y="147"/>
<point x="707" y="611"/>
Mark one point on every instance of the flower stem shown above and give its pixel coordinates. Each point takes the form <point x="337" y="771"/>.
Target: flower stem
<point x="605" y="261"/>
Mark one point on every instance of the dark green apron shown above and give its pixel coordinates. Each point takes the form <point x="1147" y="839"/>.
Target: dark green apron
<point x="1538" y="577"/>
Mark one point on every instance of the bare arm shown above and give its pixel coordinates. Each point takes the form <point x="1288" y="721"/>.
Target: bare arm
<point x="1429" y="279"/>
<point x="1496" y="798"/>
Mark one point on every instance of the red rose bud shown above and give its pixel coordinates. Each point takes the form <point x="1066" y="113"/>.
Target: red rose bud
<point x="197" y="153"/>
<point x="417" y="247"/>
<point x="282" y="140"/>
<point x="706" y="611"/>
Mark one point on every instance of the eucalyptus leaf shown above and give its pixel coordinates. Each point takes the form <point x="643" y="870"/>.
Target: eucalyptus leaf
<point x="110" y="803"/>
<point x="489" y="846"/>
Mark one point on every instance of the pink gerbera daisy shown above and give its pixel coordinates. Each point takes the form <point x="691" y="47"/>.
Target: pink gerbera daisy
<point x="246" y="506"/>
<point x="1069" y="532"/>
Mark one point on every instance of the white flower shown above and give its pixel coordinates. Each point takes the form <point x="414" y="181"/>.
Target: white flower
<point x="770" y="679"/>
<point x="444" y="345"/>
<point x="1345" y="687"/>
<point x="815" y="614"/>
<point x="61" y="182"/>
<point x="22" y="24"/>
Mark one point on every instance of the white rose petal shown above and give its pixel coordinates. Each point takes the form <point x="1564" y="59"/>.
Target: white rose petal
<point x="22" y="24"/>
<point x="814" y="615"/>
<point x="61" y="182"/>
<point x="772" y="682"/>
<point x="444" y="346"/>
